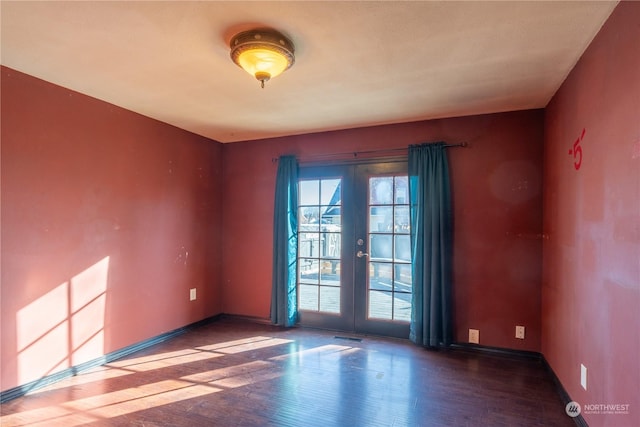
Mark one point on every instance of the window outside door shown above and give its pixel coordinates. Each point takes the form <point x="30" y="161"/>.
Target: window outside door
<point x="354" y="257"/>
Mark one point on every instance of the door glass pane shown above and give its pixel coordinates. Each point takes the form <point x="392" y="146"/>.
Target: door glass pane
<point x="401" y="189"/>
<point x="401" y="219"/>
<point x="402" y="248"/>
<point x="329" y="299"/>
<point x="389" y="273"/>
<point x="380" y="304"/>
<point x="308" y="295"/>
<point x="380" y="218"/>
<point x="308" y="218"/>
<point x="319" y="245"/>
<point x="309" y="244"/>
<point x="330" y="192"/>
<point x="331" y="243"/>
<point x="309" y="269"/>
<point x="402" y="280"/>
<point x="309" y="193"/>
<point x="330" y="273"/>
<point x="381" y="190"/>
<point x="380" y="276"/>
<point x="402" y="288"/>
<point x="380" y="246"/>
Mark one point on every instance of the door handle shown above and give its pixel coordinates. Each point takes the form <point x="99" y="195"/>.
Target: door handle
<point x="361" y="254"/>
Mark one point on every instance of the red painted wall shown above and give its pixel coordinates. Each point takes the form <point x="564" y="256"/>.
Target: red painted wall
<point x="108" y="219"/>
<point x="496" y="185"/>
<point x="591" y="278"/>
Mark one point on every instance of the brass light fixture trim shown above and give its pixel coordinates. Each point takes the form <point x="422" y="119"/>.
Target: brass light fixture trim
<point x="264" y="53"/>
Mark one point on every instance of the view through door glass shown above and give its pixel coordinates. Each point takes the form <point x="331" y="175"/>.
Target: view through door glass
<point x="354" y="257"/>
<point x="319" y="245"/>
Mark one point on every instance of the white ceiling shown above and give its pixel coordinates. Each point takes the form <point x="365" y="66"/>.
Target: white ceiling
<point x="357" y="63"/>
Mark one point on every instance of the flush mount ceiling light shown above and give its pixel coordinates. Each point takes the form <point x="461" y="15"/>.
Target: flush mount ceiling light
<point x="263" y="53"/>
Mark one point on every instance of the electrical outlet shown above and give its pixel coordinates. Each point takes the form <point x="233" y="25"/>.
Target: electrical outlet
<point x="474" y="336"/>
<point x="192" y="294"/>
<point x="583" y="376"/>
<point x="520" y="332"/>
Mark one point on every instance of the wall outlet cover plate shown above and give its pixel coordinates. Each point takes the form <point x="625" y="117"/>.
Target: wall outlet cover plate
<point x="474" y="336"/>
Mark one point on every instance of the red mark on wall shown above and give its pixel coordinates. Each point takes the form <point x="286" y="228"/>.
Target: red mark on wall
<point x="576" y="151"/>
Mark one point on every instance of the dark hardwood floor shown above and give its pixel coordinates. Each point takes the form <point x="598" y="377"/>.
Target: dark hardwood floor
<point x="236" y="373"/>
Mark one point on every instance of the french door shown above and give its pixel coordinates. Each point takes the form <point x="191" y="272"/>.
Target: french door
<point x="354" y="257"/>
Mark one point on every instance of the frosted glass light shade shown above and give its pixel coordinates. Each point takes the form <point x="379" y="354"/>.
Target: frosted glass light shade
<point x="262" y="53"/>
<point x="255" y="61"/>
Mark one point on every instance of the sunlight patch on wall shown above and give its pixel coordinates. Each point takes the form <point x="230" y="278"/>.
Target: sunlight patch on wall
<point x="65" y="326"/>
<point x="43" y="334"/>
<point x="87" y="303"/>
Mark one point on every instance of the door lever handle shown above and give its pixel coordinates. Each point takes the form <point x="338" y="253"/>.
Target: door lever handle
<point x="361" y="254"/>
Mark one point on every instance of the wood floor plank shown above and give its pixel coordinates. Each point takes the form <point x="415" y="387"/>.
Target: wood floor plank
<point x="238" y="373"/>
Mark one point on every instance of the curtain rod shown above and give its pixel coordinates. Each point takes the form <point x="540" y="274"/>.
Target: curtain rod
<point x="388" y="150"/>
